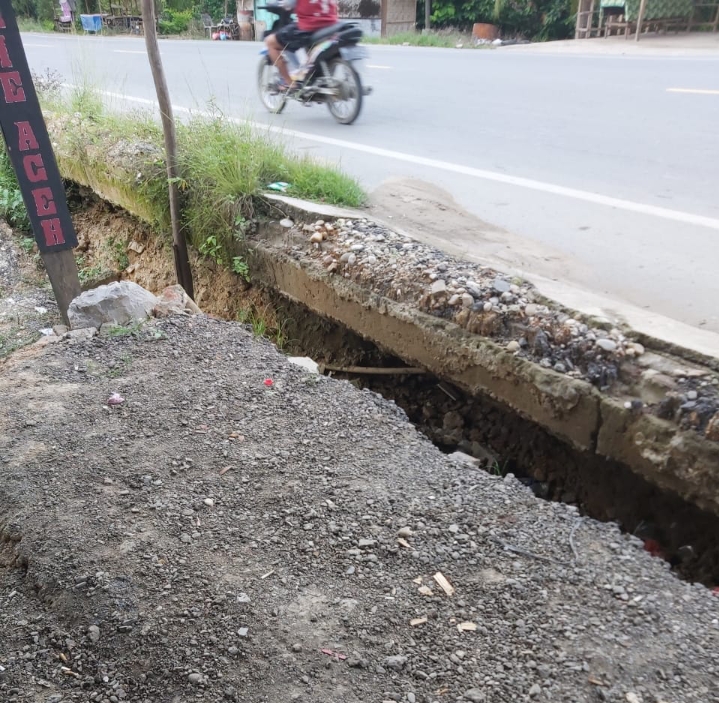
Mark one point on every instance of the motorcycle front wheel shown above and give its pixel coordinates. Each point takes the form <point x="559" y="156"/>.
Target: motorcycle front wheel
<point x="346" y="103"/>
<point x="268" y="80"/>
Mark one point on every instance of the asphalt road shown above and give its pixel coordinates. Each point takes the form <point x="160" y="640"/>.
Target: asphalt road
<point x="600" y="159"/>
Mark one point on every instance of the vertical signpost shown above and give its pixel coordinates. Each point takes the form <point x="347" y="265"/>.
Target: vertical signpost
<point x="28" y="145"/>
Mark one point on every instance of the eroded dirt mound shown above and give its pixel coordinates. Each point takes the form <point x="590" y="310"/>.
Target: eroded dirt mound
<point x="239" y="529"/>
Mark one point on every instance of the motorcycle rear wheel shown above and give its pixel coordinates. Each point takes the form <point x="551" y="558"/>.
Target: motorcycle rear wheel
<point x="346" y="107"/>
<point x="268" y="78"/>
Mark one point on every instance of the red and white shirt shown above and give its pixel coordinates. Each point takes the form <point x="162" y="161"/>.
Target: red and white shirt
<point x="315" y="14"/>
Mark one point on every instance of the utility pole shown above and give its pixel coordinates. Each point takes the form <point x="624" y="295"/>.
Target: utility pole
<point x="427" y="15"/>
<point x="179" y="244"/>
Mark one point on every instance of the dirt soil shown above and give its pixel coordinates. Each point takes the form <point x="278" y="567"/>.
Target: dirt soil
<point x="113" y="245"/>
<point x="27" y="304"/>
<point x="240" y="529"/>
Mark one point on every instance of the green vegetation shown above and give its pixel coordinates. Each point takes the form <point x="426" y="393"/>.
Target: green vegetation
<point x="124" y="331"/>
<point x="212" y="249"/>
<point x="12" y="207"/>
<point x="241" y="268"/>
<point x="118" y="253"/>
<point x="264" y="323"/>
<point x="447" y="39"/>
<point x="174" y="21"/>
<point x="16" y="337"/>
<point x="90" y="275"/>
<point x="175" y="17"/>
<point x="539" y="20"/>
<point x="125" y="361"/>
<point x="229" y="166"/>
<point x="497" y="469"/>
<point x="27" y="244"/>
<point x="29" y="24"/>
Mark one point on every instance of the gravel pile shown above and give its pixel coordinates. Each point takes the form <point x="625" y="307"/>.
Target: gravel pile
<point x="232" y="527"/>
<point x="512" y="312"/>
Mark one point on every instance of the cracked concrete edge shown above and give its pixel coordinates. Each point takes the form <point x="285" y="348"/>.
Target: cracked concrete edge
<point x="678" y="461"/>
<point x="654" y="331"/>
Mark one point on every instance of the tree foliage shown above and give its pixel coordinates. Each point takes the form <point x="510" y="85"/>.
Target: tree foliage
<point x="173" y="10"/>
<point x="532" y="19"/>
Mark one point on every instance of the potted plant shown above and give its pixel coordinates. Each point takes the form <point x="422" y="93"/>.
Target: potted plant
<point x="486" y="31"/>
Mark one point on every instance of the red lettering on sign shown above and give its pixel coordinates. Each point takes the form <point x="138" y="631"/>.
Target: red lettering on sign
<point x="44" y="202"/>
<point x="34" y="168"/>
<point x="53" y="232"/>
<point x="12" y="87"/>
<point x="26" y="137"/>
<point x="5" y="61"/>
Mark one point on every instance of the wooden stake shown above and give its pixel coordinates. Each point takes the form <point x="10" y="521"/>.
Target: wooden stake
<point x="179" y="245"/>
<point x="61" y="269"/>
<point x="374" y="371"/>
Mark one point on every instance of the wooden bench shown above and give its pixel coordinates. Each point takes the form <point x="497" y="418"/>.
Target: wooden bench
<point x="618" y="23"/>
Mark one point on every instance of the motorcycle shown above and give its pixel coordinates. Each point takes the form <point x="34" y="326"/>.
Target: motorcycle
<point x="329" y="73"/>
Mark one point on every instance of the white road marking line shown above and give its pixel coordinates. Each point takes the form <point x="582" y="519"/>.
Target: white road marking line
<point x="695" y="91"/>
<point x="385" y="68"/>
<point x="127" y="51"/>
<point x="38" y="46"/>
<point x="528" y="183"/>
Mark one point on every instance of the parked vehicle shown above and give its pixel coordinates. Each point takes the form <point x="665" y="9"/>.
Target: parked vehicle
<point x="328" y="70"/>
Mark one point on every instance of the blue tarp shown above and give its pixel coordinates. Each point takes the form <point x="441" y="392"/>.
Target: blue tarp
<point x="91" y="23"/>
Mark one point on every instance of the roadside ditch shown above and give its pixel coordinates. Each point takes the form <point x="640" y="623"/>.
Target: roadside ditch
<point x="494" y="435"/>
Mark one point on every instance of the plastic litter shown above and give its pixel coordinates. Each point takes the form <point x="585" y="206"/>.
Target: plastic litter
<point x="115" y="399"/>
<point x="331" y="653"/>
<point x="304" y="362"/>
<point x="279" y="186"/>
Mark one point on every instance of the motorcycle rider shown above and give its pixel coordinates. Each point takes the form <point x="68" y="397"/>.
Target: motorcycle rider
<point x="312" y="15"/>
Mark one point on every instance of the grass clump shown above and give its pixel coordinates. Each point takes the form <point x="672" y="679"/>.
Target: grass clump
<point x="124" y="330"/>
<point x="264" y="323"/>
<point x="89" y="276"/>
<point x="440" y="39"/>
<point x="226" y="168"/>
<point x="118" y="253"/>
<point x="15" y="338"/>
<point x="497" y="469"/>
<point x="28" y="24"/>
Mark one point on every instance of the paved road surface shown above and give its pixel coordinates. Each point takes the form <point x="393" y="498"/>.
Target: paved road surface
<point x="596" y="158"/>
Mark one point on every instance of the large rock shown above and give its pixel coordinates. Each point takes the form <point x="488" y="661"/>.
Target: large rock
<point x="116" y="303"/>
